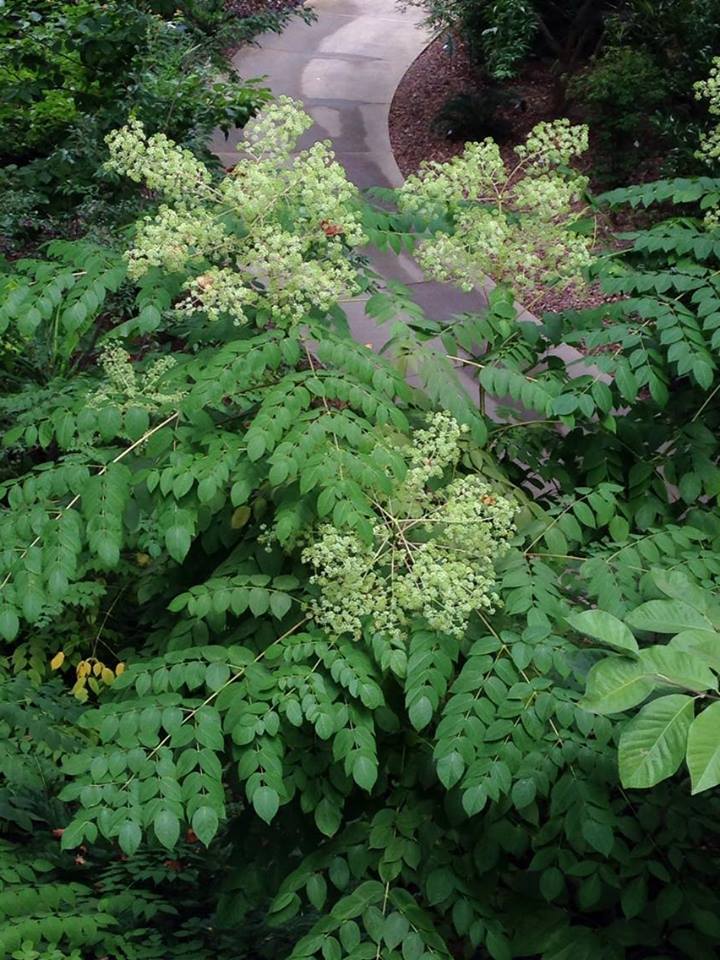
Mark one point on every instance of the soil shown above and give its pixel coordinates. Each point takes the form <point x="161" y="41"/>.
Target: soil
<point x="251" y="8"/>
<point x="445" y="70"/>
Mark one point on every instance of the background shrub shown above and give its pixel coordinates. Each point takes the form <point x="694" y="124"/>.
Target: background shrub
<point x="71" y="72"/>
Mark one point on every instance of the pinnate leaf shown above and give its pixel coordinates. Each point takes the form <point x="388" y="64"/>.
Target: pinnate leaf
<point x="205" y="824"/>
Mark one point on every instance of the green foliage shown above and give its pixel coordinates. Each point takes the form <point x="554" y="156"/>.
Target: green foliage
<point x="629" y="65"/>
<point x="620" y="91"/>
<point x="199" y="461"/>
<point x="73" y="71"/>
<point x="666" y="729"/>
<point x="499" y="34"/>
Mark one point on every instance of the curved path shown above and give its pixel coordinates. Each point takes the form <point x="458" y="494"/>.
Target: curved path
<point x="346" y="67"/>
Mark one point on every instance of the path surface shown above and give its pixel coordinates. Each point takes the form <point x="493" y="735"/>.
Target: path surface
<point x="346" y="67"/>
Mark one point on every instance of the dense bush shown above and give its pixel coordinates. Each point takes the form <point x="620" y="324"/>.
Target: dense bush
<point x="629" y="65"/>
<point x="327" y="632"/>
<point x="71" y="72"/>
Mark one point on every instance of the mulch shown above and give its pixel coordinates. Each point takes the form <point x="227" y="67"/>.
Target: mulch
<point x="443" y="71"/>
<point x="251" y="8"/>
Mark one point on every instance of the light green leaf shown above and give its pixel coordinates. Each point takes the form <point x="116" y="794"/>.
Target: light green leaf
<point x="604" y="627"/>
<point x="256" y="446"/>
<point x="364" y="772"/>
<point x="205" y="824"/>
<point x="667" y="616"/>
<point x="129" y="837"/>
<point x="703" y="749"/>
<point x="73" y="835"/>
<point x="420" y="713"/>
<point x="678" y="668"/>
<point x="167" y="828"/>
<point x="177" y="541"/>
<point x="316" y="888"/>
<point x="704" y="644"/>
<point x="474" y="799"/>
<point x="395" y="929"/>
<point x="328" y="817"/>
<point x="652" y="745"/>
<point x="450" y="768"/>
<point x="137" y="422"/>
<point x="676" y="585"/>
<point x="370" y="891"/>
<point x="280" y="603"/>
<point x="614" y="685"/>
<point x="266" y="802"/>
<point x="523" y="792"/>
<point x="9" y="623"/>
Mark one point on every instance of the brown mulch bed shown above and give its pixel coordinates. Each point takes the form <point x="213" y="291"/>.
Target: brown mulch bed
<point x="251" y="8"/>
<point x="443" y="71"/>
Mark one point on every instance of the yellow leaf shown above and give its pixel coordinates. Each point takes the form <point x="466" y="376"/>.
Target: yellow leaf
<point x="119" y="669"/>
<point x="240" y="517"/>
<point x="83" y="669"/>
<point x="58" y="660"/>
<point x="107" y="675"/>
<point x="98" y="668"/>
<point x="142" y="559"/>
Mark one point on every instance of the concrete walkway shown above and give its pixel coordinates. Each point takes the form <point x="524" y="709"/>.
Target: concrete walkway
<point x="346" y="67"/>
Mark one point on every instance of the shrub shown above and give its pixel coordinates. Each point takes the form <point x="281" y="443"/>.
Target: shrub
<point x="205" y="481"/>
<point x="620" y="92"/>
<point x="72" y="72"/>
<point x="628" y="59"/>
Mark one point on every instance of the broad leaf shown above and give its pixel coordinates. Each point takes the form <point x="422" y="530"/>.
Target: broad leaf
<point x="667" y="616"/>
<point x="678" y="668"/>
<point x="604" y="627"/>
<point x="703" y="749"/>
<point x="205" y="824"/>
<point x="652" y="745"/>
<point x="266" y="801"/>
<point x="676" y="585"/>
<point x="614" y="685"/>
<point x="704" y="644"/>
<point x="167" y="828"/>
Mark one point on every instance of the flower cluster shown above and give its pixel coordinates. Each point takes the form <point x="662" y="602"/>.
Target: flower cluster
<point x="273" y="235"/>
<point x="433" y="552"/>
<point x="511" y="224"/>
<point x="155" y="161"/>
<point x="125" y="388"/>
<point x="552" y="144"/>
<point x="174" y="238"/>
<point x="710" y="90"/>
<point x="709" y="149"/>
<point x="476" y="173"/>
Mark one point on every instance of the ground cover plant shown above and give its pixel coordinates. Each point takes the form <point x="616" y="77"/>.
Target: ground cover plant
<point x="301" y="660"/>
